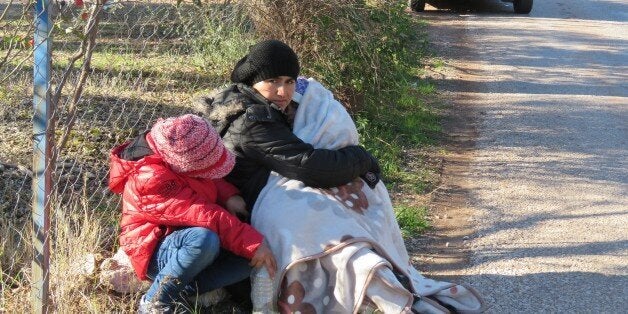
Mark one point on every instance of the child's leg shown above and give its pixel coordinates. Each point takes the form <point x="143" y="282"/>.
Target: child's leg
<point x="227" y="269"/>
<point x="178" y="260"/>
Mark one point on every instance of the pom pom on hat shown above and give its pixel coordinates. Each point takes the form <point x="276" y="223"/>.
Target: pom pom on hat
<point x="266" y="59"/>
<point x="191" y="146"/>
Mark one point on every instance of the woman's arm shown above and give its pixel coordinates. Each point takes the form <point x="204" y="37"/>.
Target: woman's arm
<point x="275" y="146"/>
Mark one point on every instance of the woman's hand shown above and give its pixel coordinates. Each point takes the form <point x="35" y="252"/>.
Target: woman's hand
<point x="372" y="176"/>
<point x="237" y="207"/>
<point x="264" y="257"/>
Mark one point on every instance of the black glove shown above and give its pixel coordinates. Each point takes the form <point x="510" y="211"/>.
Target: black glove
<point x="372" y="176"/>
<point x="374" y="165"/>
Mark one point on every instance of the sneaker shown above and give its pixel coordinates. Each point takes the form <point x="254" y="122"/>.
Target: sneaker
<point x="147" y="307"/>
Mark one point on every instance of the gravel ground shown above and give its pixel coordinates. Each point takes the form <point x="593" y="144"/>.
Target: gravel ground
<point x="545" y="180"/>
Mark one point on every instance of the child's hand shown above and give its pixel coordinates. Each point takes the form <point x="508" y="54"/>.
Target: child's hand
<point x="264" y="257"/>
<point x="237" y="207"/>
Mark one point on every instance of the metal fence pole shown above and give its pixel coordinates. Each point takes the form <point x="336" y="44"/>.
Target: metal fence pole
<point x="41" y="156"/>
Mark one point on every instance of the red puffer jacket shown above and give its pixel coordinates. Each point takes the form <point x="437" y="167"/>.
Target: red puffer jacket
<point x="157" y="201"/>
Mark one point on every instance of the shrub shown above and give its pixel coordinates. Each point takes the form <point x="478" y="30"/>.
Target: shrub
<point x="368" y="53"/>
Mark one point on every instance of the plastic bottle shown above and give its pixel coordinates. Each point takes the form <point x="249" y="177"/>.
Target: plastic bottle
<point x="261" y="291"/>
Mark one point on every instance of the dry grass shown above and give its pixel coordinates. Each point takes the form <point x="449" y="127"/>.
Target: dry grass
<point x="77" y="232"/>
<point x="15" y="254"/>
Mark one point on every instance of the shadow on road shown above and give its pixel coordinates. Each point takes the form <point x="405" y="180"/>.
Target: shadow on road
<point x="540" y="60"/>
<point x="549" y="93"/>
<point x="601" y="287"/>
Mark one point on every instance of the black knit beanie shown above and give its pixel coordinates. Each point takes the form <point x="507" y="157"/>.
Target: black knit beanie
<point x="266" y="59"/>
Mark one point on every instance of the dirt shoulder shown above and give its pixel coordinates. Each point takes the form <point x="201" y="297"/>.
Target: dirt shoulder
<point x="443" y="249"/>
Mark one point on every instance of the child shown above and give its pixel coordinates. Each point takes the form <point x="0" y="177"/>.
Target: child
<point x="171" y="228"/>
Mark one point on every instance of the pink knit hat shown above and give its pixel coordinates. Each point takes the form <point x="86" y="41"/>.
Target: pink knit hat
<point x="191" y="147"/>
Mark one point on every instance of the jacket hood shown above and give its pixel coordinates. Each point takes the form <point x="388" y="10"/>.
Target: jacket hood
<point x="231" y="101"/>
<point x="120" y="169"/>
<point x="225" y="106"/>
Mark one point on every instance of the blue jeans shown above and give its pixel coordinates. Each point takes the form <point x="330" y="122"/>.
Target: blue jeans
<point x="190" y="261"/>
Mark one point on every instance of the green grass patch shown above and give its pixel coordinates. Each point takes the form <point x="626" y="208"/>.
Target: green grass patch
<point x="412" y="220"/>
<point x="438" y="64"/>
<point x="425" y="88"/>
<point x="389" y="133"/>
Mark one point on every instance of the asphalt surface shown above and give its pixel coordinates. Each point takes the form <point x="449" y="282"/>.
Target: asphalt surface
<point x="547" y="176"/>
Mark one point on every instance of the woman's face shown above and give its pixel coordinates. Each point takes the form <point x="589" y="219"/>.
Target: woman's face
<point x="278" y="90"/>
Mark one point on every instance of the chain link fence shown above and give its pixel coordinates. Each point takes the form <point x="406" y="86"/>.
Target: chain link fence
<point x="116" y="67"/>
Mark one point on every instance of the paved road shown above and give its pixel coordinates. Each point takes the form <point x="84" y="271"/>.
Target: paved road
<point x="547" y="178"/>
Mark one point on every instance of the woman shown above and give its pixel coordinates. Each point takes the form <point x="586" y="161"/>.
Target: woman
<point x="337" y="245"/>
<point x="254" y="118"/>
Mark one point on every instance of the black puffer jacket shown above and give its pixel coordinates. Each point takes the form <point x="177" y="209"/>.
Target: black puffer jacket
<point x="261" y="138"/>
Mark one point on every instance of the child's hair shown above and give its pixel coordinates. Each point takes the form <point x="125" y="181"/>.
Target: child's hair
<point x="191" y="146"/>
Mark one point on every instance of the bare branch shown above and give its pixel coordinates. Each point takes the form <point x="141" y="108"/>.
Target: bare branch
<point x="90" y="31"/>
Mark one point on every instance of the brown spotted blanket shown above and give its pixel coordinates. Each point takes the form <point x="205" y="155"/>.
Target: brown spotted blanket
<point x="339" y="250"/>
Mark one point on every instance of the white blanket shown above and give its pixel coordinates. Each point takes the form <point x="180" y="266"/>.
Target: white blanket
<point x="338" y="249"/>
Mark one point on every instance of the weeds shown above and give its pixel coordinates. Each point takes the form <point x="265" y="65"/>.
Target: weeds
<point x="412" y="220"/>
